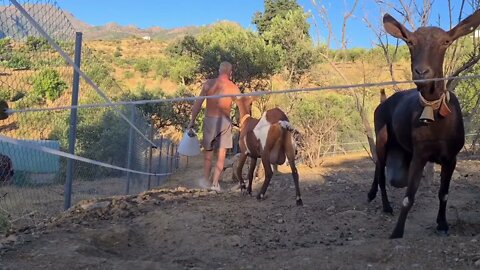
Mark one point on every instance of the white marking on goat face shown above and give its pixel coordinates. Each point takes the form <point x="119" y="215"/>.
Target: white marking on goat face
<point x="406" y="202"/>
<point x="445" y="197"/>
<point x="261" y="130"/>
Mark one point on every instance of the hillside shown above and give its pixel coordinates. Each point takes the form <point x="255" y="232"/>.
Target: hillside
<point x="114" y="31"/>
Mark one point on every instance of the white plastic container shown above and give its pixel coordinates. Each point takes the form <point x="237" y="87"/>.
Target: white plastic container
<point x="189" y="146"/>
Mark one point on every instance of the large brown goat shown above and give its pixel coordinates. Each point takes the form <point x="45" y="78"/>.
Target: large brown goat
<point x="271" y="139"/>
<point x="420" y="125"/>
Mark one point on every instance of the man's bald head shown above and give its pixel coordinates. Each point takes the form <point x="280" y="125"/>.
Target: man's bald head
<point x="225" y="68"/>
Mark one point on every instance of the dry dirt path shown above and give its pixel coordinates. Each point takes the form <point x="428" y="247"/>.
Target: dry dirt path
<point x="186" y="228"/>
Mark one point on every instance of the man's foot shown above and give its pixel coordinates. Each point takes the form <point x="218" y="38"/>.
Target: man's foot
<point x="216" y="188"/>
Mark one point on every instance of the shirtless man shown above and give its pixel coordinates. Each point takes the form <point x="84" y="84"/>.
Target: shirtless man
<point x="217" y="127"/>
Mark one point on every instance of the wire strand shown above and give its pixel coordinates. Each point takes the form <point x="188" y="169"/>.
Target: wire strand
<point x="256" y="93"/>
<point x="75" y="157"/>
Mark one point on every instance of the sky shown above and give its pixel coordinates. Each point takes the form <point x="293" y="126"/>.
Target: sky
<point x="171" y="14"/>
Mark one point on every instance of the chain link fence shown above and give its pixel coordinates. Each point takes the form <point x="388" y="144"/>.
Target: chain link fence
<point x="34" y="75"/>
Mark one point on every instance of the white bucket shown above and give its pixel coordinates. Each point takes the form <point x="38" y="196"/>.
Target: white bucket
<point x="189" y="146"/>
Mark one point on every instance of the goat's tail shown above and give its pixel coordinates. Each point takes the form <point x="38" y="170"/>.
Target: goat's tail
<point x="286" y="125"/>
<point x="383" y="96"/>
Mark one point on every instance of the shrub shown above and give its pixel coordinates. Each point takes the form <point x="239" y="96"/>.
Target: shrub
<point x="19" y="61"/>
<point x="48" y="84"/>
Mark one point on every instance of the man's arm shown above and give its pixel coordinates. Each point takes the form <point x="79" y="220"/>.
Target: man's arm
<point x="197" y="106"/>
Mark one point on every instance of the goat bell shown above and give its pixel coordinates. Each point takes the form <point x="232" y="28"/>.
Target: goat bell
<point x="427" y="115"/>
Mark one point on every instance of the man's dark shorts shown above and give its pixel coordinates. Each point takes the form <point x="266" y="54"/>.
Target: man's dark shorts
<point x="217" y="133"/>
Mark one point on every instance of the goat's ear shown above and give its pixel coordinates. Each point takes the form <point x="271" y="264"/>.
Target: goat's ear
<point x="466" y="26"/>
<point x="394" y="28"/>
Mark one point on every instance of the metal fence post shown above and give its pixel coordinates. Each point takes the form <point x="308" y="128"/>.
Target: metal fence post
<point x="159" y="169"/>
<point x="177" y="157"/>
<point x="150" y="153"/>
<point x="72" y="133"/>
<point x="130" y="147"/>
<point x="167" y="157"/>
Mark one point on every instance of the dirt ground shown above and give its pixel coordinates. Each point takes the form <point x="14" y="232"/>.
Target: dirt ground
<point x="181" y="227"/>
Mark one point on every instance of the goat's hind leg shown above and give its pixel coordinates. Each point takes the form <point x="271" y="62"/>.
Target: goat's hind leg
<point x="379" y="178"/>
<point x="268" y="175"/>
<point x="290" y="153"/>
<point x="251" y="171"/>
<point x="445" y="177"/>
<point x="239" y="171"/>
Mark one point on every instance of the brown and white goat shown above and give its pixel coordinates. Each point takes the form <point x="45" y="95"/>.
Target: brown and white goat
<point x="269" y="138"/>
<point x="6" y="169"/>
<point x="420" y="125"/>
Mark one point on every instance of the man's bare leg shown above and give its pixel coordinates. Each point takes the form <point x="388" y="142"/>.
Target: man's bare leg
<point x="207" y="167"/>
<point x="219" y="165"/>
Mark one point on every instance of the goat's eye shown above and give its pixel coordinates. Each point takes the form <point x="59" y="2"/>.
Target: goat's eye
<point x="447" y="42"/>
<point x="409" y="43"/>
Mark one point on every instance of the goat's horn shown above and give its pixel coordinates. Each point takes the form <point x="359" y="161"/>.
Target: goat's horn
<point x="427" y="115"/>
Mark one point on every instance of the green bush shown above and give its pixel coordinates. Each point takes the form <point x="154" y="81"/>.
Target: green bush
<point x="48" y="84"/>
<point x="36" y="44"/>
<point x="10" y="95"/>
<point x="19" y="60"/>
<point x="143" y="66"/>
<point x="4" y="222"/>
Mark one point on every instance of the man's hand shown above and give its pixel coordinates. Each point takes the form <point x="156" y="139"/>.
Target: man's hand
<point x="191" y="132"/>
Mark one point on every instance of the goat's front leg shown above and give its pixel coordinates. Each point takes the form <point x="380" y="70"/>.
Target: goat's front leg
<point x="268" y="174"/>
<point x="445" y="177"/>
<point x="239" y="171"/>
<point x="251" y="171"/>
<point x="414" y="177"/>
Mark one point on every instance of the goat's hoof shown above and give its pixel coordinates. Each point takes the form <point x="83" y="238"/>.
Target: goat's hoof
<point x="371" y="195"/>
<point x="260" y="197"/>
<point x="388" y="209"/>
<point x="442" y="230"/>
<point x="443" y="233"/>
<point x="246" y="192"/>
<point x="396" y="235"/>
<point x="299" y="202"/>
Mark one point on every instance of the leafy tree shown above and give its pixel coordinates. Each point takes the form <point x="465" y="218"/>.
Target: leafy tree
<point x="163" y="114"/>
<point x="48" y="84"/>
<point x="276" y="8"/>
<point x="254" y="61"/>
<point x="102" y="135"/>
<point x="297" y="48"/>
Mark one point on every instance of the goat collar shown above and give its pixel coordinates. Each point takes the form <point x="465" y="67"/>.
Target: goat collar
<point x="243" y="119"/>
<point x="429" y="106"/>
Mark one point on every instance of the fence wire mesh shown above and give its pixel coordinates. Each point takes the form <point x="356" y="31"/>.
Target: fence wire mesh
<point x="33" y="74"/>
